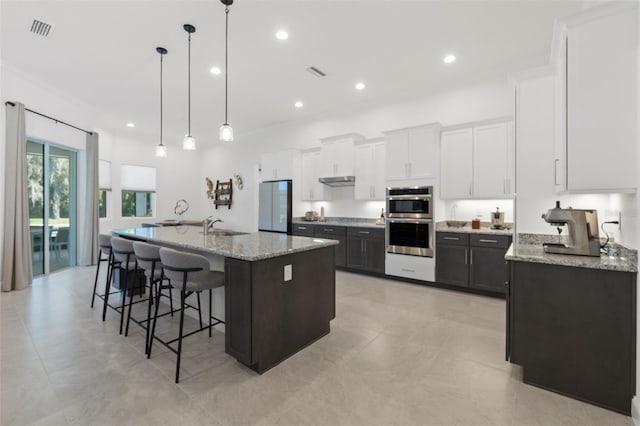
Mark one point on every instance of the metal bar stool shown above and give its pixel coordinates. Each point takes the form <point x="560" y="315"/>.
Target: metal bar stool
<point x="189" y="273"/>
<point x="104" y="245"/>
<point x="148" y="257"/>
<point x="125" y="260"/>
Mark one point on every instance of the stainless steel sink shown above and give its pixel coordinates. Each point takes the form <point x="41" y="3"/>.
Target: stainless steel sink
<point x="456" y="223"/>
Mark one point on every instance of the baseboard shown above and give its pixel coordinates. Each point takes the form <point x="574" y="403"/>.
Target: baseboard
<point x="635" y="410"/>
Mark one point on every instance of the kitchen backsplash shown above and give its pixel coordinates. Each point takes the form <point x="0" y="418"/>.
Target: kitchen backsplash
<point x="480" y="209"/>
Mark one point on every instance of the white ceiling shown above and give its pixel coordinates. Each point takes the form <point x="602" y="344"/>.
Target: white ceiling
<point x="103" y="53"/>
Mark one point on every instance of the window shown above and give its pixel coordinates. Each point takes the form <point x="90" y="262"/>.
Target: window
<point x="138" y="190"/>
<point x="137" y="204"/>
<point x="104" y="185"/>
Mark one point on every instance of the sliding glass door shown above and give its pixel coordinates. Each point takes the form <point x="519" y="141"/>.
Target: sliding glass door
<point x="52" y="206"/>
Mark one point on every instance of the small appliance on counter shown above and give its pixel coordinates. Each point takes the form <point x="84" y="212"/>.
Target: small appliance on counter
<point x="584" y="238"/>
<point x="497" y="219"/>
<point x="311" y="216"/>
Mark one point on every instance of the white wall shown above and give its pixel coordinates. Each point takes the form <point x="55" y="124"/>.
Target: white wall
<point x="635" y="219"/>
<point x="481" y="101"/>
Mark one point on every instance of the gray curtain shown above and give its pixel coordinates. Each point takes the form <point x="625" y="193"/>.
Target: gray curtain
<point x="88" y="235"/>
<point x="17" y="270"/>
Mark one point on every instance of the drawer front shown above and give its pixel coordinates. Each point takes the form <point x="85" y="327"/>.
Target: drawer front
<point x="327" y="231"/>
<point x="453" y="238"/>
<point x="490" y="241"/>
<point x="303" y="230"/>
<point x="365" y="232"/>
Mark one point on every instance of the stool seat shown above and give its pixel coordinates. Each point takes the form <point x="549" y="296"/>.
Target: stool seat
<point x="104" y="243"/>
<point x="200" y="277"/>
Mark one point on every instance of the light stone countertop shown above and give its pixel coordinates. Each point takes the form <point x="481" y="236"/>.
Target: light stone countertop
<point x="251" y="247"/>
<point x="485" y="228"/>
<point x="337" y="221"/>
<point x="530" y="249"/>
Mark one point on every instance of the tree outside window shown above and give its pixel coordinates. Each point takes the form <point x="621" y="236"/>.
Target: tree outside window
<point x="137" y="204"/>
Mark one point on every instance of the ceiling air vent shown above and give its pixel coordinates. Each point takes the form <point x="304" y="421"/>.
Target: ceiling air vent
<point x="41" y="28"/>
<point x="315" y="71"/>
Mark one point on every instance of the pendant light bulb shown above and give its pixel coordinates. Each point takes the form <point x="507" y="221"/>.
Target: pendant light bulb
<point x="161" y="151"/>
<point x="189" y="143"/>
<point x="226" y="133"/>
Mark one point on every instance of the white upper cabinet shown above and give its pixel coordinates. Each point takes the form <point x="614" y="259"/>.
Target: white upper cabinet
<point x="370" y="171"/>
<point x="476" y="162"/>
<point x="278" y="165"/>
<point x="338" y="155"/>
<point x="601" y="119"/>
<point x="412" y="153"/>
<point x="311" y="188"/>
<point x="491" y="152"/>
<point x="456" y="150"/>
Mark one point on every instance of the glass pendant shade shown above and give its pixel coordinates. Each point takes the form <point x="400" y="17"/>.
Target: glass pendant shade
<point x="226" y="133"/>
<point x="189" y="143"/>
<point x="161" y="151"/>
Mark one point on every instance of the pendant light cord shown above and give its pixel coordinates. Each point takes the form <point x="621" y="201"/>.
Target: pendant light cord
<point x="226" y="65"/>
<point x="189" y="84"/>
<point x="161" y="58"/>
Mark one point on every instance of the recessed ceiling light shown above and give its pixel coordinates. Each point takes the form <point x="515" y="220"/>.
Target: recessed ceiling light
<point x="215" y="71"/>
<point x="131" y="125"/>
<point x="449" y="59"/>
<point x="282" y="35"/>
<point x="299" y="104"/>
<point x="360" y="86"/>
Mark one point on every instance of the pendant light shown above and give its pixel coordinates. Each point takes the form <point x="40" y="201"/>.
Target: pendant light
<point x="189" y="142"/>
<point x="161" y="150"/>
<point x="226" y="131"/>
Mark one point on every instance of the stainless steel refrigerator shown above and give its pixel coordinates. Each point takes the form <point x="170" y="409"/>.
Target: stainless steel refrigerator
<point x="275" y="206"/>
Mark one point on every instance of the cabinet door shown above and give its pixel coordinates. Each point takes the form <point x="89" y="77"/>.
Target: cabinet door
<point x="451" y="265"/>
<point x="422" y="152"/>
<point x="490" y="161"/>
<point x="337" y="233"/>
<point x="364" y="172"/>
<point x="355" y="253"/>
<point x="344" y="158"/>
<point x="560" y="121"/>
<point x="601" y="104"/>
<point x="397" y="154"/>
<point x="312" y="189"/>
<point x="374" y="252"/>
<point x="488" y="270"/>
<point x="328" y="164"/>
<point x="456" y="163"/>
<point x="379" y="172"/>
<point x="277" y="165"/>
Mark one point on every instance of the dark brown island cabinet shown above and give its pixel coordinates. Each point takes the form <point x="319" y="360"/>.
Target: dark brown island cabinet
<point x="573" y="331"/>
<point x="474" y="261"/>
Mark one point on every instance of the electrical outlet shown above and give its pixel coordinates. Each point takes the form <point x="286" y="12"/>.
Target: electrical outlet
<point x="288" y="272"/>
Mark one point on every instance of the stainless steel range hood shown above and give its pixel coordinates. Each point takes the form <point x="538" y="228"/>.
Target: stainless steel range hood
<point x="338" y="181"/>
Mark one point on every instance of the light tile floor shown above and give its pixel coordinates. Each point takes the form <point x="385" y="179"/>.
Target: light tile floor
<point x="398" y="354"/>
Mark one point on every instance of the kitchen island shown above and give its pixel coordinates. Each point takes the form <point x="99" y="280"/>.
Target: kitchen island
<point x="279" y="289"/>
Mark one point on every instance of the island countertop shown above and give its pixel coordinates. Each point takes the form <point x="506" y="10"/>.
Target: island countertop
<point x="250" y="247"/>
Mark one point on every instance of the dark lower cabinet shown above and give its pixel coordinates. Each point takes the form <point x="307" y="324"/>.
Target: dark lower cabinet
<point x="573" y="331"/>
<point x="472" y="260"/>
<point x="366" y="249"/>
<point x="338" y="233"/>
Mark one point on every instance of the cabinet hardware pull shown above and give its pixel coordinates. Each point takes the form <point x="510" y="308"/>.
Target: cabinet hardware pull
<point x="555" y="171"/>
<point x="407" y="270"/>
<point x="328" y="230"/>
<point x="451" y="238"/>
<point x="471" y="257"/>
<point x="470" y="189"/>
<point x="465" y="256"/>
<point x="302" y="227"/>
<point x="488" y="241"/>
<point x="504" y="186"/>
<point x="363" y="232"/>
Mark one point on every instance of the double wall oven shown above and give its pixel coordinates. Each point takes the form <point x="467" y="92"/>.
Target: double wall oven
<point x="410" y="226"/>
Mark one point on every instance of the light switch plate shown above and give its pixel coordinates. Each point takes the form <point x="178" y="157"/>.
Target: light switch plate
<point x="288" y="272"/>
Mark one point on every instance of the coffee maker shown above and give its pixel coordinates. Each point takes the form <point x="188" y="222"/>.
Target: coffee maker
<point x="497" y="219"/>
<point x="584" y="239"/>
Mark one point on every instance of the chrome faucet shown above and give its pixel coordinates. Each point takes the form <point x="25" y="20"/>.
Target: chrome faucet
<point x="208" y="224"/>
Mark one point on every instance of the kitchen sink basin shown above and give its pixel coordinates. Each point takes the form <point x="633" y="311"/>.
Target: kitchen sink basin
<point x="456" y="223"/>
<point x="224" y="233"/>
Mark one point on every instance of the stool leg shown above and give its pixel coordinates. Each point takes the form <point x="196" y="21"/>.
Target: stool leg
<point x="151" y="283"/>
<point x="131" y="294"/>
<point x="170" y="298"/>
<point x="108" y="286"/>
<point x="155" y="318"/>
<point x="182" y="297"/>
<point x="95" y="282"/>
<point x="199" y="309"/>
<point x="210" y="309"/>
<point x="123" y="293"/>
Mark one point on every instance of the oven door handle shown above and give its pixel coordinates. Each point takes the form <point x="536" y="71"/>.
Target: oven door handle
<point x="409" y="197"/>
<point x="416" y="221"/>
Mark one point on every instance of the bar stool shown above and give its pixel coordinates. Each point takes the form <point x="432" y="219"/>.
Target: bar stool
<point x="125" y="260"/>
<point x="104" y="248"/>
<point x="189" y="273"/>
<point x="148" y="258"/>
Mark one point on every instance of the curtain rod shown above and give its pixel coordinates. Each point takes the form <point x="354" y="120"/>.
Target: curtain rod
<point x="50" y="118"/>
